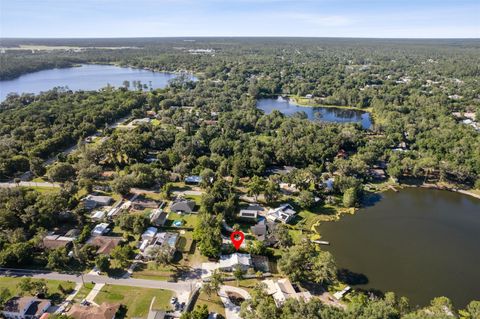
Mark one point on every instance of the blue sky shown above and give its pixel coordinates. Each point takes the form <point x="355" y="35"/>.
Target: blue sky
<point x="308" y="18"/>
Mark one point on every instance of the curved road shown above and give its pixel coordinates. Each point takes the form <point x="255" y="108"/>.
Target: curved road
<point x="232" y="311"/>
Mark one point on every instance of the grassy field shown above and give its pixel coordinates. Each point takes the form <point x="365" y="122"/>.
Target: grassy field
<point x="42" y="189"/>
<point x="213" y="302"/>
<point x="52" y="285"/>
<point x="154" y="272"/>
<point x="189" y="220"/>
<point x="136" y="300"/>
<point x="84" y="291"/>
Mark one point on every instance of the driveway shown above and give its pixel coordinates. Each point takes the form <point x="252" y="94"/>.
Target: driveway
<point x="231" y="310"/>
<point x="208" y="268"/>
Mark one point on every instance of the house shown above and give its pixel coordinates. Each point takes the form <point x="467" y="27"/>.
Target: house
<point x="284" y="213"/>
<point x="283" y="289"/>
<point x="164" y="241"/>
<point x="250" y="212"/>
<point x="104" y="311"/>
<point x="158" y="217"/>
<point x="309" y="96"/>
<point x="182" y="205"/>
<point x="92" y="201"/>
<point x="150" y="233"/>
<point x="230" y="262"/>
<point x="98" y="215"/>
<point x="193" y="179"/>
<point x="57" y="241"/>
<point x="25" y="308"/>
<point x="105" y="244"/>
<point x="100" y="229"/>
<point x="259" y="230"/>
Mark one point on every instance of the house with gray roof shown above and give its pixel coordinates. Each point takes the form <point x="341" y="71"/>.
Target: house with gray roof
<point x="182" y="205"/>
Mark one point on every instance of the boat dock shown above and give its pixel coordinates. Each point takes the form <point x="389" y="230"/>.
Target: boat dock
<point x="321" y="242"/>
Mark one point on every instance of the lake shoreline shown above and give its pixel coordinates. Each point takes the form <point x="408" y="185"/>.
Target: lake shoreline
<point x="296" y="100"/>
<point x="398" y="187"/>
<point x="393" y="214"/>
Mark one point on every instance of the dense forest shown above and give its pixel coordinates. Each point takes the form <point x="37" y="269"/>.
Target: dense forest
<point x="411" y="87"/>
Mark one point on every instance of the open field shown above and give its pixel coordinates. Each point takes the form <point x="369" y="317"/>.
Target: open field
<point x="52" y="285"/>
<point x="136" y="300"/>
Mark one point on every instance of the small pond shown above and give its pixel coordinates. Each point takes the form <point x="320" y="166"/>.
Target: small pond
<point x="326" y="114"/>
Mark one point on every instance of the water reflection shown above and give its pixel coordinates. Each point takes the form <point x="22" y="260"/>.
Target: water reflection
<point x="326" y="114"/>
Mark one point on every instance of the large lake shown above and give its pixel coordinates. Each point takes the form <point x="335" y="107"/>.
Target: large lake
<point x="418" y="243"/>
<point x="327" y="114"/>
<point x="84" y="77"/>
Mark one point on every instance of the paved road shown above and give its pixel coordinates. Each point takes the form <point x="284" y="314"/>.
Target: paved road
<point x="179" y="287"/>
<point x="188" y="193"/>
<point x="30" y="184"/>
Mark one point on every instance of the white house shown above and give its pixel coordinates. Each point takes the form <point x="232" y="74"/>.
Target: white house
<point x="150" y="233"/>
<point x="98" y="215"/>
<point x="250" y="212"/>
<point x="284" y="213"/>
<point x="25" y="308"/>
<point x="101" y="229"/>
<point x="283" y="289"/>
<point x="230" y="262"/>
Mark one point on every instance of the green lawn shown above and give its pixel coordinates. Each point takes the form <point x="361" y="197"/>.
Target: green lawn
<point x="196" y="198"/>
<point x="11" y="284"/>
<point x="84" y="291"/>
<point x="153" y="271"/>
<point x="136" y="300"/>
<point x="189" y="220"/>
<point x="42" y="189"/>
<point x="213" y="302"/>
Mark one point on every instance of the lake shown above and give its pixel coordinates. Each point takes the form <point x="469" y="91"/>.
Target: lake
<point x="326" y="114"/>
<point x="84" y="77"/>
<point x="419" y="243"/>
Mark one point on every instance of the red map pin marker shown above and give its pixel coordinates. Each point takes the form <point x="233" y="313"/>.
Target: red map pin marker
<point x="237" y="238"/>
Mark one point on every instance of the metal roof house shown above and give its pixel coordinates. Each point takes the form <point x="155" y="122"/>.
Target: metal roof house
<point x="284" y="213"/>
<point x="230" y="262"/>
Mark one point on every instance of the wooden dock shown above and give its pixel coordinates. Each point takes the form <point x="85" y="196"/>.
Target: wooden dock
<point x="321" y="242"/>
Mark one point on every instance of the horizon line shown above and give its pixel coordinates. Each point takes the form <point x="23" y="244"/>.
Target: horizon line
<point x="245" y="36"/>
